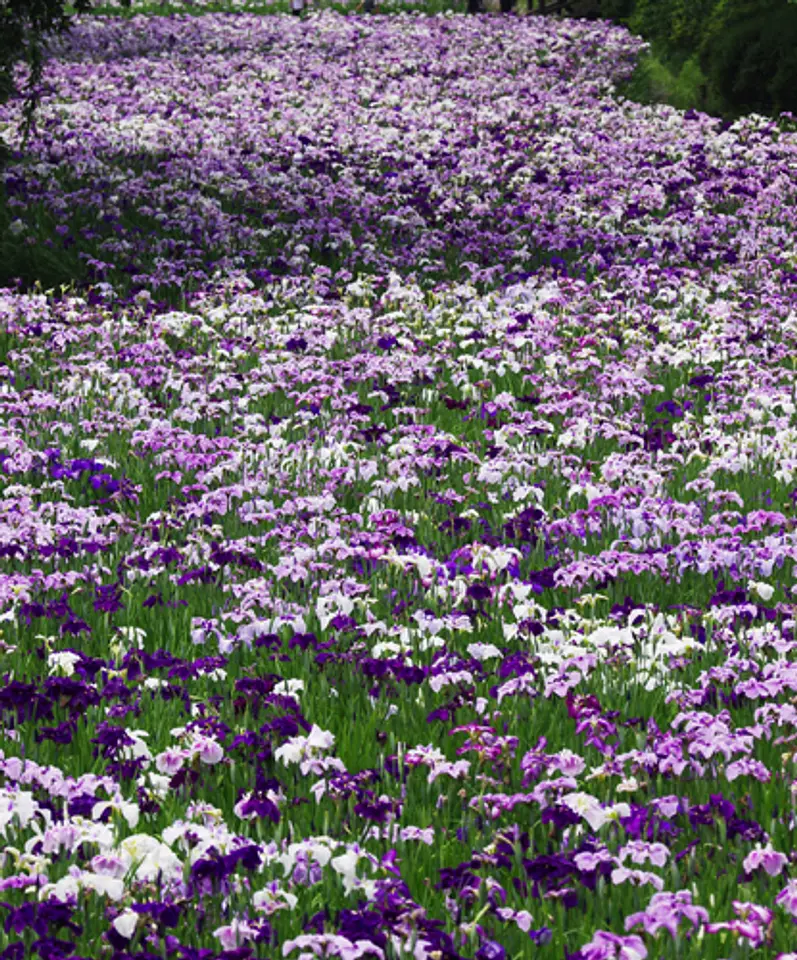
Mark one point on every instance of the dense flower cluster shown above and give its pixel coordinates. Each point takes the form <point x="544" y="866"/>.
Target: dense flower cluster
<point x="423" y="584"/>
<point x="175" y="147"/>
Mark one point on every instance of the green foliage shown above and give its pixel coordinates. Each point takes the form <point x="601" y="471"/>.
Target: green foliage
<point x="727" y="13"/>
<point x="679" y="82"/>
<point x="724" y="56"/>
<point x="618" y="10"/>
<point x="752" y="61"/>
<point x="679" y="24"/>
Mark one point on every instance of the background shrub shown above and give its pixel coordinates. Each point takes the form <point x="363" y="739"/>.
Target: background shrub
<point x="750" y="59"/>
<point x="680" y="25"/>
<point x="727" y="57"/>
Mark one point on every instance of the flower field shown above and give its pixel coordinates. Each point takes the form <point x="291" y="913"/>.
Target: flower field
<point x="397" y="518"/>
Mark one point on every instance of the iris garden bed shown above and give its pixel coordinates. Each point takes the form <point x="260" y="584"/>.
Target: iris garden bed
<point x="397" y="520"/>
